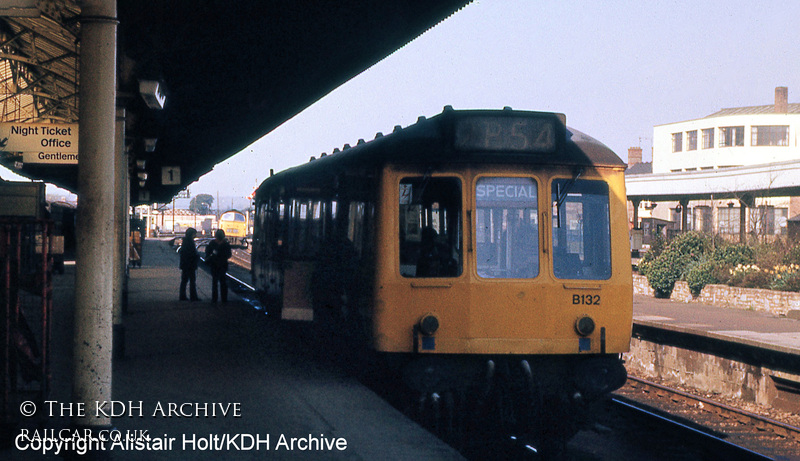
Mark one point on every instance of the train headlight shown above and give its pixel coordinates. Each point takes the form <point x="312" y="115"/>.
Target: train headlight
<point x="584" y="326"/>
<point x="428" y="324"/>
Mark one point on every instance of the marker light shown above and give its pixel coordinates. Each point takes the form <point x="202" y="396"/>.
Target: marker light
<point x="584" y="326"/>
<point x="428" y="324"/>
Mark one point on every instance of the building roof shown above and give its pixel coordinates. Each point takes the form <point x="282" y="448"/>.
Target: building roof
<point x="767" y="109"/>
<point x="640" y="168"/>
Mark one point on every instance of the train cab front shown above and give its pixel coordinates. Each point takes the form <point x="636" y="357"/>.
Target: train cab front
<point x="506" y="283"/>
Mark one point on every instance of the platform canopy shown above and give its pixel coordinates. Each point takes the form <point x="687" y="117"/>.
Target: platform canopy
<point x="230" y="72"/>
<point x="779" y="179"/>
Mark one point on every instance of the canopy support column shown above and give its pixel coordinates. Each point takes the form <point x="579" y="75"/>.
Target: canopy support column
<point x="92" y="342"/>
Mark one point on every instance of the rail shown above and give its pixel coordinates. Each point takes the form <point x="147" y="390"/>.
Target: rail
<point x="732" y="429"/>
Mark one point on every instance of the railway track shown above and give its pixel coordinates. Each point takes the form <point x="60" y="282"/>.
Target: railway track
<point x="241" y="258"/>
<point x="724" y="429"/>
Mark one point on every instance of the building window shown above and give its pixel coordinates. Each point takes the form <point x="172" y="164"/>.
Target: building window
<point x="708" y="138"/>
<point x="730" y="136"/>
<point x="691" y="140"/>
<point x="770" y="136"/>
<point x="781" y="218"/>
<point x="728" y="220"/>
<point x="762" y="220"/>
<point x="677" y="142"/>
<point x="702" y="219"/>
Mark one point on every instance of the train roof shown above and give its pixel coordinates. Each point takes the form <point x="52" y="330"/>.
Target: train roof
<point x="455" y="137"/>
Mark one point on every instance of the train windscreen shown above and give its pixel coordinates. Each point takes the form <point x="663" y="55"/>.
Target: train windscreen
<point x="581" y="229"/>
<point x="507" y="227"/>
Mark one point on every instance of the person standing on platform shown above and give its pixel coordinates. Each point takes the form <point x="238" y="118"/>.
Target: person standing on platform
<point x="188" y="265"/>
<point x="218" y="252"/>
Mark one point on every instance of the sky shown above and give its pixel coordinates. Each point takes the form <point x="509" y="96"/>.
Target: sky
<point x="615" y="68"/>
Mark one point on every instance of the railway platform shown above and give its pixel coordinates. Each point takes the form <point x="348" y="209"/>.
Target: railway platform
<point x="220" y="381"/>
<point x="746" y="327"/>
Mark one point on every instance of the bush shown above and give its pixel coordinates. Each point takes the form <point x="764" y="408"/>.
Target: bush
<point x="669" y="266"/>
<point x="792" y="256"/>
<point x="656" y="248"/>
<point x="664" y="270"/>
<point x="733" y="255"/>
<point x="693" y="245"/>
<point x="770" y="255"/>
<point x="774" y="265"/>
<point x="786" y="278"/>
<point x="750" y="276"/>
<point x="701" y="274"/>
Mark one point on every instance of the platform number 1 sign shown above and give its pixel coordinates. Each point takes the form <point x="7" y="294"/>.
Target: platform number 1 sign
<point x="170" y="175"/>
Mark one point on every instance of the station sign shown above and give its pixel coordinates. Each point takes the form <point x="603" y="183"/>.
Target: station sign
<point x="54" y="143"/>
<point x="170" y="175"/>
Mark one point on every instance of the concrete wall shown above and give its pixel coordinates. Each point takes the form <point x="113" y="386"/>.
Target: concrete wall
<point x="706" y="373"/>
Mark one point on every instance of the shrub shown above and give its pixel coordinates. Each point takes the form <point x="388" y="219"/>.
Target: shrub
<point x="693" y="245"/>
<point x="792" y="256"/>
<point x="750" y="276"/>
<point x="674" y="260"/>
<point x="733" y="255"/>
<point x="786" y="278"/>
<point x="701" y="274"/>
<point x="664" y="270"/>
<point x="774" y="265"/>
<point x="656" y="248"/>
<point x="769" y="255"/>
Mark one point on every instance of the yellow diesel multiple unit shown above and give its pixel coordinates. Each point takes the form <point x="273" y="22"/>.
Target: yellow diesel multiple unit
<point x="478" y="253"/>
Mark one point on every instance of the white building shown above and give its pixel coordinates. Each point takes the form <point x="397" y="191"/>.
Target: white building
<point x="170" y="221"/>
<point x="731" y="137"/>
<point x="736" y="137"/>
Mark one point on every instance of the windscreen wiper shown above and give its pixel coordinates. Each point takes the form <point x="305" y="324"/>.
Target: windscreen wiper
<point x="563" y="191"/>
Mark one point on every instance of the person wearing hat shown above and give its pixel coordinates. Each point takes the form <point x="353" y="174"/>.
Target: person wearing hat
<point x="218" y="251"/>
<point x="188" y="265"/>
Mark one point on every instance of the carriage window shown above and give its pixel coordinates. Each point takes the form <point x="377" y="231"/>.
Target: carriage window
<point x="430" y="227"/>
<point x="507" y="228"/>
<point x="581" y="230"/>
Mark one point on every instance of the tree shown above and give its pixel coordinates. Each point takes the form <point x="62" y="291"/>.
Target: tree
<point x="201" y="203"/>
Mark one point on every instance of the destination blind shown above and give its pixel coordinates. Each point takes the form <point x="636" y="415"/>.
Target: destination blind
<point x="506" y="190"/>
<point x="523" y="134"/>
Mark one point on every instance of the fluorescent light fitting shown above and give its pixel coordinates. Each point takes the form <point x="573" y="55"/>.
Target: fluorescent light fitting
<point x="152" y="93"/>
<point x="150" y="144"/>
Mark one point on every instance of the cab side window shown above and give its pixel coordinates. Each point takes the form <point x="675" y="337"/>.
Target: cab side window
<point x="430" y="227"/>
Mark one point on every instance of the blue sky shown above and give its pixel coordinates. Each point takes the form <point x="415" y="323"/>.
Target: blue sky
<point x="615" y="68"/>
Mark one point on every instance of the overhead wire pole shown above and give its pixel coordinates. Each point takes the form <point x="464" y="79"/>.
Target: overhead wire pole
<point x="92" y="342"/>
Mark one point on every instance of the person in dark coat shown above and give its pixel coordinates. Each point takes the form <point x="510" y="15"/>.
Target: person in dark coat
<point x="218" y="252"/>
<point x="188" y="265"/>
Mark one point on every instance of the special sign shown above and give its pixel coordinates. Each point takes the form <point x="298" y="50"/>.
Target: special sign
<point x="506" y="190"/>
<point x="41" y="142"/>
